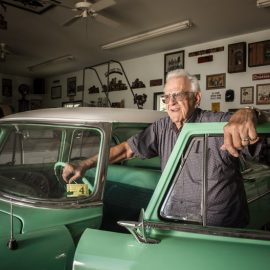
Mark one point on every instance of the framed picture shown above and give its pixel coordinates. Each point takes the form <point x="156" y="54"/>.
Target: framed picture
<point x="71" y="86"/>
<point x="259" y="53"/>
<point x="56" y="92"/>
<point x="72" y="104"/>
<point x="6" y="88"/>
<point x="237" y="57"/>
<point x="246" y="95"/>
<point x="263" y="94"/>
<point x="172" y="61"/>
<point x="158" y="104"/>
<point x="216" y="81"/>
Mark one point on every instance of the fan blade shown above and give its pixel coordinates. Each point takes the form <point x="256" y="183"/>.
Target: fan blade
<point x="102" y="4"/>
<point x="105" y="20"/>
<point x="72" y="20"/>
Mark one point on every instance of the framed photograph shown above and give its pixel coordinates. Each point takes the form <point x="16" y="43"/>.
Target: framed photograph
<point x="259" y="53"/>
<point x="216" y="81"/>
<point x="71" y="86"/>
<point x="72" y="104"/>
<point x="56" y="92"/>
<point x="263" y="94"/>
<point x="237" y="57"/>
<point x="6" y="88"/>
<point x="172" y="61"/>
<point x="247" y="95"/>
<point x="158" y="104"/>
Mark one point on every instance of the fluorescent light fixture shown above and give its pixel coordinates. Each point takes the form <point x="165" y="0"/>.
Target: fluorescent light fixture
<point x="57" y="60"/>
<point x="147" y="35"/>
<point x="263" y="3"/>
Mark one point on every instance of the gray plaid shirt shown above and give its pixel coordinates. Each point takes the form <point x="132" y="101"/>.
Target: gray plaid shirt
<point x="227" y="205"/>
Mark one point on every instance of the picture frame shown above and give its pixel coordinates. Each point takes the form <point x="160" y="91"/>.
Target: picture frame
<point x="6" y="87"/>
<point x="172" y="61"/>
<point x="215" y="81"/>
<point x="247" y="95"/>
<point x="263" y="94"/>
<point x="56" y="92"/>
<point x="259" y="53"/>
<point x="71" y="86"/>
<point x="158" y="104"/>
<point x="237" y="57"/>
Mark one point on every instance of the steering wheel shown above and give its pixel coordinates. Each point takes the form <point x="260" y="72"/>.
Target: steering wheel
<point x="84" y="179"/>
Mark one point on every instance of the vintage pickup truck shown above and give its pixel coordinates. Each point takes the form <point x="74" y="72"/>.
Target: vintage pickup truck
<point x="116" y="217"/>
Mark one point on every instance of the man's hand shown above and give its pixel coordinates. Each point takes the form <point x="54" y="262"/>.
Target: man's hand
<point x="73" y="172"/>
<point x="240" y="131"/>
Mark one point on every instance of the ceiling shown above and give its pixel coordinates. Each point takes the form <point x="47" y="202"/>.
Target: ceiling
<point x="35" y="38"/>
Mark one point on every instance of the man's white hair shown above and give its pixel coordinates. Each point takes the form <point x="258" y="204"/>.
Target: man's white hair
<point x="195" y="86"/>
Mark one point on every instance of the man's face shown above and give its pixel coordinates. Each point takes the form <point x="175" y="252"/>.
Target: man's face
<point x="180" y="101"/>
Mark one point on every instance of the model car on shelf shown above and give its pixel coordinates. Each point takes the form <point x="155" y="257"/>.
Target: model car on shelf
<point x="116" y="215"/>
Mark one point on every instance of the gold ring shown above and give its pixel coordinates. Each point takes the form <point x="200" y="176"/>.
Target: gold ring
<point x="246" y="139"/>
<point x="253" y="139"/>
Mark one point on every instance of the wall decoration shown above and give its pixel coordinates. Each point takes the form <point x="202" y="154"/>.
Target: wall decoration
<point x="215" y="95"/>
<point x="137" y="84"/>
<point x="207" y="51"/>
<point x="56" y="92"/>
<point x="216" y="81"/>
<point x="263" y="94"/>
<point x="114" y="85"/>
<point x="215" y="106"/>
<point x="155" y="82"/>
<point x="6" y="88"/>
<point x="120" y="104"/>
<point x="172" y="61"/>
<point x="204" y="59"/>
<point x="72" y="104"/>
<point x="261" y="76"/>
<point x="33" y="6"/>
<point x="237" y="57"/>
<point x="158" y="104"/>
<point x="140" y="100"/>
<point x="259" y="53"/>
<point x="229" y="95"/>
<point x="71" y="86"/>
<point x="113" y="71"/>
<point x="247" y="95"/>
<point x="93" y="90"/>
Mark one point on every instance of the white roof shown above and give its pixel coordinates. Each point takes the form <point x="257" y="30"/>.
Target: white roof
<point x="87" y="114"/>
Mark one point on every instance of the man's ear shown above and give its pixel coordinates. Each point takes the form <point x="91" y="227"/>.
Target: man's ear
<point x="197" y="98"/>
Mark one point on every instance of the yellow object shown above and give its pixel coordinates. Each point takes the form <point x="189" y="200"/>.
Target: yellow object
<point x="76" y="190"/>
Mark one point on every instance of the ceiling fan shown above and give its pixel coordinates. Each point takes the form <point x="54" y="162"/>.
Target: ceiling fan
<point x="88" y="9"/>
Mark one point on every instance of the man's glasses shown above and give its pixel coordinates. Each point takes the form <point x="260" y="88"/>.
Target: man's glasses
<point x="177" y="96"/>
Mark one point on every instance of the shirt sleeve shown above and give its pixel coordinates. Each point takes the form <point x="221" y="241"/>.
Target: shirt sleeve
<point x="144" y="144"/>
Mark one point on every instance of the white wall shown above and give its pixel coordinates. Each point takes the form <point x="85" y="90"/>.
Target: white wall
<point x="151" y="67"/>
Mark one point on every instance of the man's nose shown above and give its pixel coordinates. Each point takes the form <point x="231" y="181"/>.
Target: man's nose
<point x="172" y="99"/>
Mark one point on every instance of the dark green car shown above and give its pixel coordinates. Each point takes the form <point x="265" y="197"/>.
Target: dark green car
<point x="114" y="217"/>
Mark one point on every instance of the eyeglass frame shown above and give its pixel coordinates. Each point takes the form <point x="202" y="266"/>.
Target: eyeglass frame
<point x="177" y="96"/>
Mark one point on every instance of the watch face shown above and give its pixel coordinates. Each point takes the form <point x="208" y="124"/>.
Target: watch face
<point x="229" y="95"/>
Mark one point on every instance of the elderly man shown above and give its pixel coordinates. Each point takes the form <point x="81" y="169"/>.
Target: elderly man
<point x="182" y="96"/>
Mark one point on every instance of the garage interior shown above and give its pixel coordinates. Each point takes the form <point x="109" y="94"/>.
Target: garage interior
<point x="67" y="53"/>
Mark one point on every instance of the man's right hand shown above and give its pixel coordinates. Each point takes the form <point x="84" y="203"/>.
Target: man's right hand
<point x="72" y="172"/>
